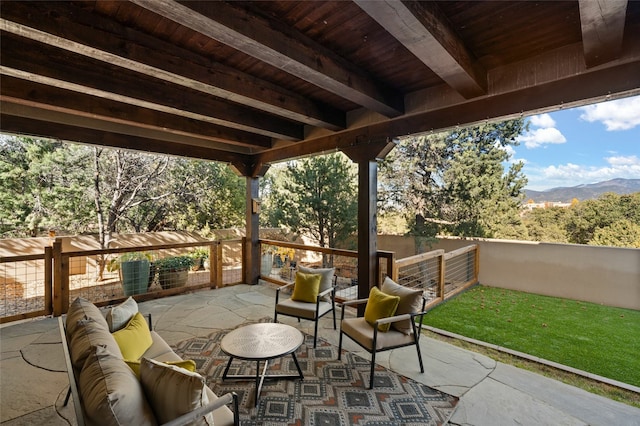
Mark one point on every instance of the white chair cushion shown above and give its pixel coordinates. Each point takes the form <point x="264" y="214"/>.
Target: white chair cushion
<point x="302" y="309"/>
<point x="119" y="316"/>
<point x="359" y="330"/>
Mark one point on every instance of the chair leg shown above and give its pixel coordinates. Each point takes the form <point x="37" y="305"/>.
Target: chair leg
<point x="315" y="333"/>
<point x="334" y="319"/>
<point x="373" y="367"/>
<point x="419" y="354"/>
<point x="66" y="399"/>
<point x="340" y="346"/>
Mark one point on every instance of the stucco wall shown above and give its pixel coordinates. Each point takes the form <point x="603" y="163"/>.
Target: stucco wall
<point x="605" y="275"/>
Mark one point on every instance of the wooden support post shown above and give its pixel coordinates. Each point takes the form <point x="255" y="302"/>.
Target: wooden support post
<point x="57" y="277"/>
<point x="366" y="155"/>
<point x="251" y="248"/>
<point x="252" y="255"/>
<point x="48" y="280"/>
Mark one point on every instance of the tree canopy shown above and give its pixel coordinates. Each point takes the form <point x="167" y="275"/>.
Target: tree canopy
<point x="456" y="183"/>
<point x="314" y="196"/>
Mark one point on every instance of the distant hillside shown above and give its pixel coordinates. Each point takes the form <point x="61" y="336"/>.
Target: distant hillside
<point x="584" y="192"/>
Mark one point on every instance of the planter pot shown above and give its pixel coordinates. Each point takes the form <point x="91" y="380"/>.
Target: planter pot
<point x="266" y="264"/>
<point x="170" y="278"/>
<point x="134" y="276"/>
<point x="198" y="264"/>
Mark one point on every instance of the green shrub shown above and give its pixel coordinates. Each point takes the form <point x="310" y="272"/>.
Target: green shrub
<point x="174" y="263"/>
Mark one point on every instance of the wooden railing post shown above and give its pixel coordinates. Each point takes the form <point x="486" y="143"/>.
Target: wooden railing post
<point x="212" y="266"/>
<point x="57" y="277"/>
<point x="219" y="260"/>
<point x="442" y="275"/>
<point x="48" y="280"/>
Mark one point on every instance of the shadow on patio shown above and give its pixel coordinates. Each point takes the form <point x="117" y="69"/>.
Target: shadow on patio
<point x="33" y="381"/>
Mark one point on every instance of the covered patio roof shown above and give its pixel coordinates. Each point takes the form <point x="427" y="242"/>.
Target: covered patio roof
<point x="251" y="83"/>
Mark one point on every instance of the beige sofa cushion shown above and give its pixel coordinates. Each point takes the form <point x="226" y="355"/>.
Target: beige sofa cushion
<point x="111" y="393"/>
<point x="410" y="302"/>
<point x="82" y="309"/>
<point x="88" y="334"/>
<point x="173" y="391"/>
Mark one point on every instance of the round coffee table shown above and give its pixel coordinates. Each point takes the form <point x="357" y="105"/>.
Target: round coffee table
<point x="261" y="342"/>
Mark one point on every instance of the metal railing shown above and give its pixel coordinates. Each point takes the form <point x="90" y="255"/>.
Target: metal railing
<point x="441" y="275"/>
<point x="280" y="259"/>
<point x="44" y="284"/>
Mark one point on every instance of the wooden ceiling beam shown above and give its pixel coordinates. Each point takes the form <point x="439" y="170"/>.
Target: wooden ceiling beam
<point x="59" y="24"/>
<point x="291" y="52"/>
<point x="424" y="30"/>
<point x="602" y="23"/>
<point x="52" y="98"/>
<point x="29" y="126"/>
<point x="552" y="95"/>
<point x="19" y="108"/>
<point x="48" y="65"/>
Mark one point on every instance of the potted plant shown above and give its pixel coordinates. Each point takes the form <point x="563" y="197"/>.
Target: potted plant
<point x="134" y="272"/>
<point x="199" y="255"/>
<point x="173" y="271"/>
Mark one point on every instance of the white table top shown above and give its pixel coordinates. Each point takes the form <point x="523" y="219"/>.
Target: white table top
<point x="262" y="341"/>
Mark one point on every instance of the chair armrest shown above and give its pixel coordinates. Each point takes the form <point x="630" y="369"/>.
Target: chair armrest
<point x="284" y="286"/>
<point x="394" y="318"/>
<point x="327" y="291"/>
<point x="281" y="288"/>
<point x="218" y="403"/>
<point x="355" y="302"/>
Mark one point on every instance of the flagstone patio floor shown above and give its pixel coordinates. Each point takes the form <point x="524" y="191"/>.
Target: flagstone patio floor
<point x="33" y="381"/>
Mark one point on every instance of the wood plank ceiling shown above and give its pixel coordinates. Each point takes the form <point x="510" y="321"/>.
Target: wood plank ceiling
<point x="251" y="83"/>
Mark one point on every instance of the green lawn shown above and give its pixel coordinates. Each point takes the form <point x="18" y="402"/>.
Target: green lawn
<point x="594" y="338"/>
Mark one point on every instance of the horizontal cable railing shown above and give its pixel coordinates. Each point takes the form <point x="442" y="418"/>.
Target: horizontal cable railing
<point x="440" y="275"/>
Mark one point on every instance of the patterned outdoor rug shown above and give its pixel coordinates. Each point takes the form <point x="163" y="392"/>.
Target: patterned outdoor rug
<point x="332" y="393"/>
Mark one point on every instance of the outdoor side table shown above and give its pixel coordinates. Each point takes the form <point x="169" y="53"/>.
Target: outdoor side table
<point x="261" y="342"/>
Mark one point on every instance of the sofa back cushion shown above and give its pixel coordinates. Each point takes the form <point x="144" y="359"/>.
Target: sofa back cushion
<point x="111" y="393"/>
<point x="173" y="391"/>
<point x="410" y="303"/>
<point x="81" y="309"/>
<point x="87" y="334"/>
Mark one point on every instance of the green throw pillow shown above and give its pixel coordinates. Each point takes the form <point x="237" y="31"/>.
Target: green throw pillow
<point x="380" y="305"/>
<point x="135" y="338"/>
<point x="306" y="288"/>
<point x="187" y="364"/>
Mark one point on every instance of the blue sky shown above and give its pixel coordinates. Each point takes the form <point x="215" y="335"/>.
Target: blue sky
<point x="582" y="145"/>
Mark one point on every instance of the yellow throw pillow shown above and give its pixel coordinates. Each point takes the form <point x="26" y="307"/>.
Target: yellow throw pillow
<point x="380" y="305"/>
<point x="135" y="338"/>
<point x="306" y="288"/>
<point x="187" y="364"/>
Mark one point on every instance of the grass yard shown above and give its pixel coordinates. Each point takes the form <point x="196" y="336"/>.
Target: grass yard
<point x="594" y="338"/>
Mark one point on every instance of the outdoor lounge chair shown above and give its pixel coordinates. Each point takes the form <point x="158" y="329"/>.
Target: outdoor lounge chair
<point x="312" y="311"/>
<point x="404" y="330"/>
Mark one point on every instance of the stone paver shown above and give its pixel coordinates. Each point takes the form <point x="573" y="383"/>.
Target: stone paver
<point x="33" y="384"/>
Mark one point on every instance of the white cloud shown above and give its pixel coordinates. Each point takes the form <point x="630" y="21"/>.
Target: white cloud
<point x="544" y="135"/>
<point x="621" y="114"/>
<point x="540" y="137"/>
<point x="570" y="174"/>
<point x="542" y="120"/>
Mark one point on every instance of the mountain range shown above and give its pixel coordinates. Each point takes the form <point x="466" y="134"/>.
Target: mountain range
<point x="584" y="192"/>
